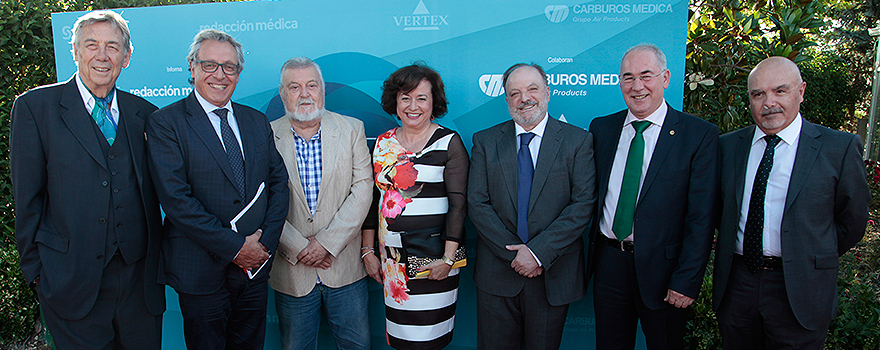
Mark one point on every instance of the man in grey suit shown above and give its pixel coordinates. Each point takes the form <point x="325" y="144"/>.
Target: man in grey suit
<point x="331" y="190"/>
<point x="794" y="198"/>
<point x="531" y="191"/>
<point x="87" y="217"/>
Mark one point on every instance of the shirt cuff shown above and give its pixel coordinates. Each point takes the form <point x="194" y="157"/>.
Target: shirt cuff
<point x="535" y="256"/>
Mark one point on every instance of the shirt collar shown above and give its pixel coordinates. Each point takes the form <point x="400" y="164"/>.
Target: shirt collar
<point x="657" y="117"/>
<point x="789" y="135"/>
<point x="538" y="130"/>
<point x="89" y="100"/>
<point x="208" y="106"/>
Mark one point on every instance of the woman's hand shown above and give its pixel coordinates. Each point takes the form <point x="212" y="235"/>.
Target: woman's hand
<point x="439" y="270"/>
<point x="373" y="267"/>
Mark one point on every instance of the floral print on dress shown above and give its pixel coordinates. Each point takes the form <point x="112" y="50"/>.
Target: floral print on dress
<point x="396" y="178"/>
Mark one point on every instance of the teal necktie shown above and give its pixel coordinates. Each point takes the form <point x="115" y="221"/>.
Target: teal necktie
<point x="629" y="188"/>
<point x="101" y="115"/>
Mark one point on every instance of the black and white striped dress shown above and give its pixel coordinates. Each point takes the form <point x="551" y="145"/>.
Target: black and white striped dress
<point x="419" y="190"/>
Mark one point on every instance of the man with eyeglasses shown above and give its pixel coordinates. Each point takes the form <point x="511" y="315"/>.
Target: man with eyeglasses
<point x="657" y="170"/>
<point x="211" y="160"/>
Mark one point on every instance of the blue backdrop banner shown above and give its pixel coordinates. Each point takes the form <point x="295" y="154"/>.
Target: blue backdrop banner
<point x="358" y="43"/>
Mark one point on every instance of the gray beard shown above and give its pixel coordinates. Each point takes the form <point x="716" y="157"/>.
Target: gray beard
<point x="304" y="117"/>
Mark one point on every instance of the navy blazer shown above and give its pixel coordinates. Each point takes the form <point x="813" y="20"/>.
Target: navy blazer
<point x="673" y="223"/>
<point x="59" y="178"/>
<point x="195" y="186"/>
<point x="826" y="212"/>
<point x="562" y="199"/>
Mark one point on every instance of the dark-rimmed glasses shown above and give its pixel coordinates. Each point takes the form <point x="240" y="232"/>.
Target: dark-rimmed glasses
<point x="211" y="67"/>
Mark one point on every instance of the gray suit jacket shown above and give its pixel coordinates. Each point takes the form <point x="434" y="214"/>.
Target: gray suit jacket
<point x="826" y="211"/>
<point x="343" y="201"/>
<point x="560" y="207"/>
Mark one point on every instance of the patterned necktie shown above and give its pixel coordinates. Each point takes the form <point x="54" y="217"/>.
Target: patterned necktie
<point x="233" y="151"/>
<point x="101" y="115"/>
<point x="629" y="187"/>
<point x="525" y="171"/>
<point x="753" y="236"/>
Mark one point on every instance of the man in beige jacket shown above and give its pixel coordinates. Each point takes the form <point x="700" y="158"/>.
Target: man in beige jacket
<point x="318" y="264"/>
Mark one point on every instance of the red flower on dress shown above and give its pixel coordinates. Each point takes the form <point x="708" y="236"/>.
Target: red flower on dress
<point x="393" y="203"/>
<point x="405" y="175"/>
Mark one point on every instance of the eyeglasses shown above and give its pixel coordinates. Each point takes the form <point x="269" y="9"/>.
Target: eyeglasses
<point x="211" y="67"/>
<point x="646" y="78"/>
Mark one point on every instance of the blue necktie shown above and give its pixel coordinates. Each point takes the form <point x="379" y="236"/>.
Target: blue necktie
<point x="753" y="236"/>
<point x="524" y="185"/>
<point x="101" y="115"/>
<point x="233" y="151"/>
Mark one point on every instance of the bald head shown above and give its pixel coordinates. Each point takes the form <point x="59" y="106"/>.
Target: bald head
<point x="776" y="91"/>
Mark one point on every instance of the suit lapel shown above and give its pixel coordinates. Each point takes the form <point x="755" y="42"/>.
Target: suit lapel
<point x="198" y="121"/>
<point x="740" y="163"/>
<point x="286" y="145"/>
<point x="664" y="143"/>
<point x="78" y="120"/>
<point x="606" y="150"/>
<point x="330" y="136"/>
<point x="807" y="151"/>
<point x="550" y="143"/>
<point x="134" y="130"/>
<point x="247" y="132"/>
<point x="506" y="148"/>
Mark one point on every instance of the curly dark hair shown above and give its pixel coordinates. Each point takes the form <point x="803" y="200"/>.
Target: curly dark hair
<point x="406" y="79"/>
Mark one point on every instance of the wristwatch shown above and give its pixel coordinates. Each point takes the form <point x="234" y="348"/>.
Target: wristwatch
<point x="448" y="261"/>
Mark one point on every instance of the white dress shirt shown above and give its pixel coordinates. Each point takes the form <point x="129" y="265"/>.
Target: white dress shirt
<point x="777" y="185"/>
<point x="651" y="134"/>
<point x="215" y="119"/>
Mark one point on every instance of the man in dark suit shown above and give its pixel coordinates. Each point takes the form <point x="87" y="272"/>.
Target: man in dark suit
<point x="657" y="171"/>
<point x="531" y="190"/>
<point x="794" y="197"/>
<point x="210" y="157"/>
<point x="87" y="218"/>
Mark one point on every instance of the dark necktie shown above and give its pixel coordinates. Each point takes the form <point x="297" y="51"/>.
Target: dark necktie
<point x="753" y="236"/>
<point x="629" y="187"/>
<point x="524" y="185"/>
<point x="101" y="115"/>
<point x="233" y="151"/>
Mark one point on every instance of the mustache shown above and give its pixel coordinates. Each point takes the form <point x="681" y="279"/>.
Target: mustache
<point x="767" y="111"/>
<point x="303" y="101"/>
<point x="526" y="104"/>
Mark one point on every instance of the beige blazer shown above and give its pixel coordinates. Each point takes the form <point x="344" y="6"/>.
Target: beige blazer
<point x="343" y="201"/>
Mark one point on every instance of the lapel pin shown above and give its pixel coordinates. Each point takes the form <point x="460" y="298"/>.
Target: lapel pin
<point x="671" y="132"/>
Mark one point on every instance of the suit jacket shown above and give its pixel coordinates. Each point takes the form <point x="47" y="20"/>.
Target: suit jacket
<point x="826" y="211"/>
<point x="343" y="200"/>
<point x="673" y="222"/>
<point x="195" y="185"/>
<point x="560" y="205"/>
<point x="62" y="198"/>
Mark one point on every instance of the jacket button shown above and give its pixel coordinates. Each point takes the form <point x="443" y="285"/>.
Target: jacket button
<point x="105" y="183"/>
<point x="102" y="220"/>
<point x="99" y="256"/>
<point x="236" y="201"/>
<point x="115" y="190"/>
<point x="112" y="157"/>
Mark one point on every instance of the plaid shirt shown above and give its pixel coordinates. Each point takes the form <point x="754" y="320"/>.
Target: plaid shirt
<point x="308" y="161"/>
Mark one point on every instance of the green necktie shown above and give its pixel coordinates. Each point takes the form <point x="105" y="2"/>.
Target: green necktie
<point x="102" y="117"/>
<point x="629" y="188"/>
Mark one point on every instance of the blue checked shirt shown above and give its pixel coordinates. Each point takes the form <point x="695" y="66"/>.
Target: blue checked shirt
<point x="308" y="161"/>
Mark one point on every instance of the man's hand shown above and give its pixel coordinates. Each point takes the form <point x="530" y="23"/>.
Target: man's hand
<point x="677" y="299"/>
<point x="524" y="263"/>
<point x="373" y="266"/>
<point x="252" y="254"/>
<point x="314" y="255"/>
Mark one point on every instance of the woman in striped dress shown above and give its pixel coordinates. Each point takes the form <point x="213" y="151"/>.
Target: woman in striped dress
<point x="420" y="169"/>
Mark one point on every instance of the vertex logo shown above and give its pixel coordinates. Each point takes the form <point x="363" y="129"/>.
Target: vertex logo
<point x="422" y="19"/>
<point x="556" y="13"/>
<point x="491" y="84"/>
